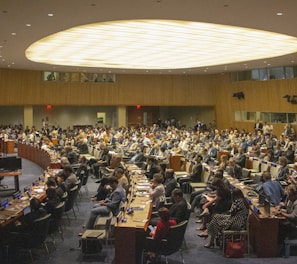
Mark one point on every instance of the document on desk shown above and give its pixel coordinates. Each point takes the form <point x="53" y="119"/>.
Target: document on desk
<point x="138" y="207"/>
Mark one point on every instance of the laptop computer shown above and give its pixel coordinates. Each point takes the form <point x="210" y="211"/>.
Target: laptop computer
<point x="27" y="210"/>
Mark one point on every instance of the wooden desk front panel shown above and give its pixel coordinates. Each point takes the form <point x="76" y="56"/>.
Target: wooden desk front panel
<point x="36" y="155"/>
<point x="264" y="236"/>
<point x="175" y="162"/>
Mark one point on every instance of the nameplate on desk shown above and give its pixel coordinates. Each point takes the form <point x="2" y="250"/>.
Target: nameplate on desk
<point x="137" y="208"/>
<point x="248" y="200"/>
<point x="256" y="210"/>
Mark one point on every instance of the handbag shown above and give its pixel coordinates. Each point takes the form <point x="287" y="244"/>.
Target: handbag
<point x="235" y="249"/>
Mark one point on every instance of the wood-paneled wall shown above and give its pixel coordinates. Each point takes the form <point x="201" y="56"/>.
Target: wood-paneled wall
<point x="27" y="88"/>
<point x="21" y="87"/>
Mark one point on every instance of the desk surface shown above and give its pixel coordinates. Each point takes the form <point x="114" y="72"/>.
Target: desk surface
<point x="10" y="173"/>
<point x="15" y="207"/>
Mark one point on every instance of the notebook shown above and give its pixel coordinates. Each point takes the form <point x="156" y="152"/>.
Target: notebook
<point x="94" y="234"/>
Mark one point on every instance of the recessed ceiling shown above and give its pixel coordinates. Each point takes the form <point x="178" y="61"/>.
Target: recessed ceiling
<point x="162" y="36"/>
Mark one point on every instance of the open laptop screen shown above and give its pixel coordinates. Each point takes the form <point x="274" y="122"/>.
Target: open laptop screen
<point x="27" y="210"/>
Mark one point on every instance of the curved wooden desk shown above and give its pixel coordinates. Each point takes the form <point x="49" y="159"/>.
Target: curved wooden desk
<point x="39" y="156"/>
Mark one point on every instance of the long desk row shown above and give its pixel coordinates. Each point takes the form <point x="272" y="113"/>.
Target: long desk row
<point x="131" y="228"/>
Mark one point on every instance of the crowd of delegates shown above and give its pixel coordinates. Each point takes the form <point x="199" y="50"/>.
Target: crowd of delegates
<point x="150" y="149"/>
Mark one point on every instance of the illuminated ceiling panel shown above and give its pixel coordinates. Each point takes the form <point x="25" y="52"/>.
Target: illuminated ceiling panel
<point x="158" y="44"/>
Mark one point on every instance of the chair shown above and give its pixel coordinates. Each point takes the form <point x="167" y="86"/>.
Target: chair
<point x="242" y="234"/>
<point x="201" y="185"/>
<point x="2" y="185"/>
<point x="35" y="238"/>
<point x="72" y="197"/>
<point x="84" y="176"/>
<point x="107" y="224"/>
<point x="56" y="220"/>
<point x="292" y="241"/>
<point x="165" y="247"/>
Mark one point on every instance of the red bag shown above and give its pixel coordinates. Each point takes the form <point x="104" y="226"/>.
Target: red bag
<point x="235" y="249"/>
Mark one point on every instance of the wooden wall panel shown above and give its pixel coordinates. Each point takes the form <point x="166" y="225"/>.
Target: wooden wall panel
<point x="20" y="87"/>
<point x="28" y="88"/>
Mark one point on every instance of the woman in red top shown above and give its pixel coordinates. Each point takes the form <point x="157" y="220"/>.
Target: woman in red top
<point x="163" y="225"/>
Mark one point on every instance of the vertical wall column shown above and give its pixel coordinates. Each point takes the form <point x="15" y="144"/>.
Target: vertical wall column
<point x="28" y="116"/>
<point x="122" y="116"/>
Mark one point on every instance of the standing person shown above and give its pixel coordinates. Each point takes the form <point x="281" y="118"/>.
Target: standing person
<point x="235" y="219"/>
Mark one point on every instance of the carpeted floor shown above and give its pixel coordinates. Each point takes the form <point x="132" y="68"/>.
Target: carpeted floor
<point x="68" y="251"/>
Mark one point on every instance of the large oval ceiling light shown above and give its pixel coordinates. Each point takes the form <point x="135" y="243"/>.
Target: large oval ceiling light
<point x="158" y="44"/>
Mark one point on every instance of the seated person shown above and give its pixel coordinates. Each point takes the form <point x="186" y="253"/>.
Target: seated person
<point x="52" y="183"/>
<point x="104" y="161"/>
<point x="234" y="169"/>
<point x="150" y="168"/>
<point x="82" y="166"/>
<point x="82" y="146"/>
<point x="218" y="204"/>
<point x="288" y="210"/>
<point x="27" y="221"/>
<point x="170" y="182"/>
<point x="162" y="228"/>
<point x="51" y="201"/>
<point x="196" y="174"/>
<point x="240" y="158"/>
<point x="110" y="204"/>
<point x="160" y="231"/>
<point x="272" y="189"/>
<point x="102" y="191"/>
<point x="71" y="155"/>
<point x="196" y="197"/>
<point x="68" y="180"/>
<point x="179" y="209"/>
<point x="235" y="219"/>
<point x="157" y="191"/>
<point x="122" y="179"/>
<point x="283" y="171"/>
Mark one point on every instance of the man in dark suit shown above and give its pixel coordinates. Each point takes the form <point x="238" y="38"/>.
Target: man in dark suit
<point x="258" y="126"/>
<point x="234" y="169"/>
<point x="283" y="171"/>
<point x="240" y="158"/>
<point x="179" y="209"/>
<point x="170" y="182"/>
<point x="151" y="168"/>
